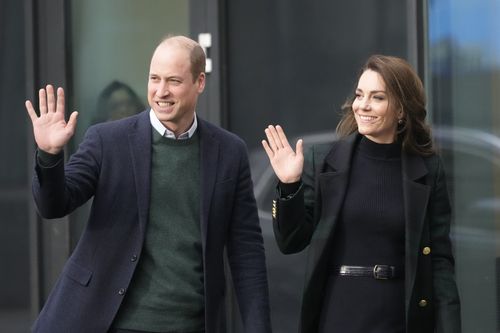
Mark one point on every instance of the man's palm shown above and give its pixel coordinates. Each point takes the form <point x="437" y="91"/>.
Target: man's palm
<point x="50" y="129"/>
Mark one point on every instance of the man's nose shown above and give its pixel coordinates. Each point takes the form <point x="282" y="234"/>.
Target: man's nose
<point x="163" y="89"/>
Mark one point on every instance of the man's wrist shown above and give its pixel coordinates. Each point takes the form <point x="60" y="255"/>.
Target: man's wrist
<point x="47" y="159"/>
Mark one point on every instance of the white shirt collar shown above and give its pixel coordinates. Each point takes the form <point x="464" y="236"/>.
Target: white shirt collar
<point x="160" y="128"/>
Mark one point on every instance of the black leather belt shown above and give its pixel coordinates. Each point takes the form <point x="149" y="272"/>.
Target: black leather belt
<point x="379" y="272"/>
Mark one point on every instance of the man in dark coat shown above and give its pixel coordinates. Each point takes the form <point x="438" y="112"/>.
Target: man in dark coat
<point x="170" y="193"/>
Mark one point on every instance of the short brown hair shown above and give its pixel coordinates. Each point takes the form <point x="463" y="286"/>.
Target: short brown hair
<point x="196" y="53"/>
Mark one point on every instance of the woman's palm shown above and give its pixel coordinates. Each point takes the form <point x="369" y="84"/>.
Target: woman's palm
<point x="286" y="163"/>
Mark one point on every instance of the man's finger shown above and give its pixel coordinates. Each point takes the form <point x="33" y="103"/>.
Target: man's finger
<point x="31" y="111"/>
<point x="60" y="100"/>
<point x="71" y="124"/>
<point x="51" y="99"/>
<point x="42" y="101"/>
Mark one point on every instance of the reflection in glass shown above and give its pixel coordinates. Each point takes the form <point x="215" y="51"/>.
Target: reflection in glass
<point x="464" y="67"/>
<point x="113" y="40"/>
<point x="117" y="101"/>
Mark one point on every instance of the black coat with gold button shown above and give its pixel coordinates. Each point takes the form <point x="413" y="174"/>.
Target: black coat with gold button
<point x="309" y="216"/>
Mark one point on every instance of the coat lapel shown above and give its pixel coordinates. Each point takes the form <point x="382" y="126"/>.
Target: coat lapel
<point x="209" y="156"/>
<point x="416" y="196"/>
<point x="333" y="177"/>
<point x="139" y="139"/>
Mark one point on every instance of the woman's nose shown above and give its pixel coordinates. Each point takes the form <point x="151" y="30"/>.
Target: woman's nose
<point x="365" y="104"/>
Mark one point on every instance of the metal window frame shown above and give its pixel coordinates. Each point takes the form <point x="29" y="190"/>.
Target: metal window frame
<point x="209" y="17"/>
<point x="46" y="62"/>
<point x="417" y="36"/>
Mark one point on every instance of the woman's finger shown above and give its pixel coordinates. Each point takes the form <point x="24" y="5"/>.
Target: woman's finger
<point x="299" y="147"/>
<point x="275" y="137"/>
<point x="282" y="136"/>
<point x="270" y="139"/>
<point x="268" y="149"/>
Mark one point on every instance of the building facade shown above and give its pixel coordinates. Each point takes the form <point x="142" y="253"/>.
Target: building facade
<point x="286" y="62"/>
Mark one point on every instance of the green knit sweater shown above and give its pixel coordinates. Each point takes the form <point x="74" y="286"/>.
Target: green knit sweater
<point x="166" y="293"/>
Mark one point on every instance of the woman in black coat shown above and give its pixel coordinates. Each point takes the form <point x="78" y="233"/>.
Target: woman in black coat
<point x="374" y="209"/>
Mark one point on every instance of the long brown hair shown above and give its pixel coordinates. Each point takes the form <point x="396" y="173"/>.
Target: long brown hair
<point x="406" y="90"/>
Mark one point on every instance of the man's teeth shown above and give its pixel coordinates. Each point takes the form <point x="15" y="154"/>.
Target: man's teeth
<point x="165" y="104"/>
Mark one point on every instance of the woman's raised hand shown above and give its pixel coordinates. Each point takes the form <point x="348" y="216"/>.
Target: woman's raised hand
<point x="51" y="130"/>
<point x="287" y="164"/>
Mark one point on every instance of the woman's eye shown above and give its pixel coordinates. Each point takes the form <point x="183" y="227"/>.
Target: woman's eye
<point x="379" y="98"/>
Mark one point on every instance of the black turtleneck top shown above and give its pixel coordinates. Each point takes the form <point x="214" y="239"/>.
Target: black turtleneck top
<point x="369" y="231"/>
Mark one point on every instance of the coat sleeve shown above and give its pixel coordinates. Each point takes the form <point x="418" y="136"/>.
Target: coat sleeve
<point x="59" y="189"/>
<point x="447" y="303"/>
<point x="246" y="254"/>
<point x="294" y="217"/>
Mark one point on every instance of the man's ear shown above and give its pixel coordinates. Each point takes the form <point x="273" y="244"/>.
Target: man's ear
<point x="201" y="82"/>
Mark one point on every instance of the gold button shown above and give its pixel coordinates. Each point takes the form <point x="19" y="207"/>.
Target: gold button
<point x="422" y="303"/>
<point x="426" y="250"/>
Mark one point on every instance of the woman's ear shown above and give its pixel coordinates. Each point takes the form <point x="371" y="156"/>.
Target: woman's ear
<point x="400" y="116"/>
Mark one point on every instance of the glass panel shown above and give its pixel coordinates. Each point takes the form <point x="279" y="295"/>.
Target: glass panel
<point x="296" y="68"/>
<point x="464" y="82"/>
<point x="15" y="193"/>
<point x="112" y="44"/>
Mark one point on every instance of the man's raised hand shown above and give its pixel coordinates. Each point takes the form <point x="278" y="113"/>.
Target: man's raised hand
<point x="50" y="128"/>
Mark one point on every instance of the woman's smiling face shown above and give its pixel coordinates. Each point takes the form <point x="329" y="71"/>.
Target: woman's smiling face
<point x="376" y="118"/>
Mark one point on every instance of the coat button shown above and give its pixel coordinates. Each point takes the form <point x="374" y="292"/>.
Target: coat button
<point x="426" y="250"/>
<point x="422" y="303"/>
<point x="133" y="258"/>
<point x="121" y="291"/>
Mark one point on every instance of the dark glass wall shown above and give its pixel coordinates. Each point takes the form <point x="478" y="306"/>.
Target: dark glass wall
<point x="14" y="184"/>
<point x="294" y="63"/>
